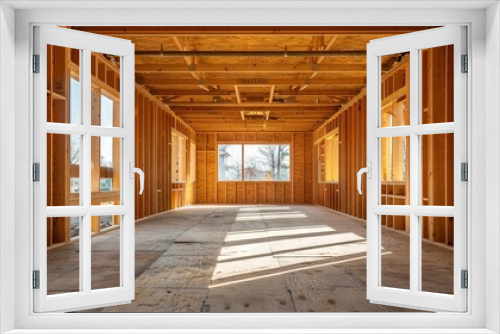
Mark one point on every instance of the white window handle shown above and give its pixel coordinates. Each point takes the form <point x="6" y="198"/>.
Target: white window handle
<point x="133" y="170"/>
<point x="368" y="171"/>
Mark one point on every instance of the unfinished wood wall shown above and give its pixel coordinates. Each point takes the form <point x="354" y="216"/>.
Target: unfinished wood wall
<point x="153" y="127"/>
<point x="437" y="150"/>
<point x="297" y="190"/>
<point x="343" y="195"/>
<point x="153" y="136"/>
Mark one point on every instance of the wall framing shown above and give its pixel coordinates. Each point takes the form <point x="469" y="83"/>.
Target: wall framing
<point x="296" y="191"/>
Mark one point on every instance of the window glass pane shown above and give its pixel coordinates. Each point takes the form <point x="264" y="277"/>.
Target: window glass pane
<point x="437" y="261"/>
<point x="106" y="93"/>
<point x="395" y="252"/>
<point x="105" y="256"/>
<point x="63" y="88"/>
<point x="395" y="88"/>
<point x="267" y="162"/>
<point x="106" y="111"/>
<point x="62" y="172"/>
<point x="437" y="85"/>
<point x="230" y="162"/>
<point x="106" y="158"/>
<point x="106" y="173"/>
<point x="63" y="263"/>
<point x="437" y="169"/>
<point x="395" y="170"/>
<point x="74" y="101"/>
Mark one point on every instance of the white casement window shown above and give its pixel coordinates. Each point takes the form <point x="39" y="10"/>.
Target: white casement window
<point x="404" y="142"/>
<point x="29" y="250"/>
<point x="74" y="141"/>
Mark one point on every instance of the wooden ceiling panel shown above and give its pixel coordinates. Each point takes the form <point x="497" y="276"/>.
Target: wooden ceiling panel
<point x="210" y="92"/>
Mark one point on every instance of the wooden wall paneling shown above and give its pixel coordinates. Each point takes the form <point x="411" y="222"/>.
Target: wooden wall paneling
<point x="250" y="192"/>
<point x="270" y="190"/>
<point x="211" y="168"/>
<point x="308" y="168"/>
<point x="231" y="193"/>
<point x="343" y="164"/>
<point x="316" y="185"/>
<point x="152" y="161"/>
<point x="159" y="159"/>
<point x="147" y="157"/>
<point x="201" y="173"/>
<point x="240" y="193"/>
<point x="298" y="167"/>
<point x="350" y="158"/>
<point x="221" y="192"/>
<point x="261" y="189"/>
<point x="351" y="121"/>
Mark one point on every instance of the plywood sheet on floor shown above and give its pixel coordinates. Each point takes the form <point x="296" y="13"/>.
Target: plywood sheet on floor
<point x="260" y="258"/>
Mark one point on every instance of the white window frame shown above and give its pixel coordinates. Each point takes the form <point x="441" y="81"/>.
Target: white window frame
<point x="414" y="44"/>
<point x="483" y="50"/>
<point x="85" y="43"/>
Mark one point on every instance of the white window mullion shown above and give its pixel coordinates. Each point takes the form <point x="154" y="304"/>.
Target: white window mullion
<point x="397" y="131"/>
<point x="414" y="171"/>
<point x="86" y="189"/>
<point x="433" y="129"/>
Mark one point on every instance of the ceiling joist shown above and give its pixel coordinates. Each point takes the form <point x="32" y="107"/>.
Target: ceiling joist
<point x="251" y="68"/>
<point x="336" y="81"/>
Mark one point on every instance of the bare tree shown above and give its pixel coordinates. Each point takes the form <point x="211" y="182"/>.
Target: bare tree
<point x="275" y="159"/>
<point x="230" y="164"/>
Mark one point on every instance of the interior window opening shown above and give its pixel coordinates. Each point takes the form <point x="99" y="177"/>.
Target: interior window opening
<point x="250" y="199"/>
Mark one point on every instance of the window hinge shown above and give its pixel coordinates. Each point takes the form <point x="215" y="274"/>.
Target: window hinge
<point x="36" y="63"/>
<point x="464" y="171"/>
<point x="465" y="64"/>
<point x="36" y="172"/>
<point x="465" y="279"/>
<point x="36" y="279"/>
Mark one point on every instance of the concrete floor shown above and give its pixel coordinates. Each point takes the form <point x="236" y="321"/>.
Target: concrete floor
<point x="260" y="258"/>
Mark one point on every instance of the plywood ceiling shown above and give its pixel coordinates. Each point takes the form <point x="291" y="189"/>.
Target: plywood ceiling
<point x="252" y="92"/>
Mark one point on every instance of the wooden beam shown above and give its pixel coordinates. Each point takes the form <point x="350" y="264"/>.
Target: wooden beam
<point x="238" y="98"/>
<point x="253" y="68"/>
<point x="318" y="61"/>
<point x="271" y="94"/>
<point x="188" y="92"/>
<point x="247" y="105"/>
<point x="165" y="81"/>
<point x="144" y="31"/>
<point x="189" y="62"/>
<point x="238" y="108"/>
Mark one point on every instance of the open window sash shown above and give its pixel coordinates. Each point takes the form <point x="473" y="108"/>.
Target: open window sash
<point x="85" y="297"/>
<point x="413" y="44"/>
